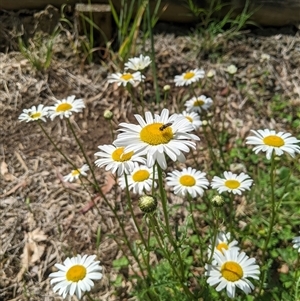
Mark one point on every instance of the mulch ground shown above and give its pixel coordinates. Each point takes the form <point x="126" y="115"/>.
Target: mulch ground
<point x="43" y="220"/>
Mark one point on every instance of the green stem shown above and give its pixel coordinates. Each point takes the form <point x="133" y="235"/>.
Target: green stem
<point x="271" y="223"/>
<point x="231" y="213"/>
<point x="164" y="201"/>
<point x="137" y="224"/>
<point x="201" y="257"/>
<point x="129" y="89"/>
<point x="160" y="240"/>
<point x="56" y="147"/>
<point x="83" y="152"/>
<point x="219" y="145"/>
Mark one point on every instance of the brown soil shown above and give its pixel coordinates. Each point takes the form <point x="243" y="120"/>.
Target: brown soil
<point x="41" y="218"/>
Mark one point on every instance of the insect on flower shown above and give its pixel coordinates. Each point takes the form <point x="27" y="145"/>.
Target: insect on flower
<point x="164" y="126"/>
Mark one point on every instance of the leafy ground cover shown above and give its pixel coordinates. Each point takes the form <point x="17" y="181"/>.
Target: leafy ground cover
<point x="45" y="219"/>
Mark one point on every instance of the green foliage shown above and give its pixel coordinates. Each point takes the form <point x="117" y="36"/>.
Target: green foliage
<point x="38" y="50"/>
<point x="211" y="25"/>
<point x="164" y="285"/>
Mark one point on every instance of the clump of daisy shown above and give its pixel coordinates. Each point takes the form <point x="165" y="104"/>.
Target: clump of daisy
<point x="231" y="269"/>
<point x="189" y="77"/>
<point x="233" y="183"/>
<point x="116" y="159"/>
<point x="231" y="69"/>
<point x="140" y="179"/>
<point x="76" y="275"/>
<point x="189" y="181"/>
<point x="126" y="78"/>
<point x="157" y="136"/>
<point x="138" y="63"/>
<point x="296" y="243"/>
<point x="198" y="104"/>
<point x="223" y="242"/>
<point x="34" y="113"/>
<point x="108" y="115"/>
<point x="66" y="107"/>
<point x="193" y="118"/>
<point x="74" y="174"/>
<point x="269" y="141"/>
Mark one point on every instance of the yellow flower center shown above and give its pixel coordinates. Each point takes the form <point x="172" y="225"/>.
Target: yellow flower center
<point x="127" y="76"/>
<point x="198" y="103"/>
<point x="119" y="156"/>
<point x="75" y="172"/>
<point x="156" y="134"/>
<point x="76" y="273"/>
<point x="222" y="245"/>
<point x="232" y="184"/>
<point x="187" y="180"/>
<point x="274" y="141"/>
<point x="141" y="175"/>
<point x="35" y="115"/>
<point x="189" y="75"/>
<point x="63" y="107"/>
<point x="232" y="271"/>
<point x="190" y="119"/>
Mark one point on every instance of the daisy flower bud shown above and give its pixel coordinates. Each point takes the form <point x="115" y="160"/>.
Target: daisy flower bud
<point x="147" y="203"/>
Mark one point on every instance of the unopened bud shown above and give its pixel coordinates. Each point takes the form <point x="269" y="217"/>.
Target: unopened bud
<point x="108" y="114"/>
<point x="147" y="203"/>
<point x="167" y="88"/>
<point x="217" y="201"/>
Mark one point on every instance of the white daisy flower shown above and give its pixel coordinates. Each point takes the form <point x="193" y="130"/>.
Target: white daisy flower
<point x="116" y="160"/>
<point x="155" y="137"/>
<point x="125" y="78"/>
<point x="232" y="183"/>
<point x="140" y="179"/>
<point x="223" y="243"/>
<point x="34" y="113"/>
<point x="232" y="269"/>
<point x="189" y="77"/>
<point x="138" y="63"/>
<point x="198" y="104"/>
<point x="188" y="181"/>
<point x="74" y="174"/>
<point x="65" y="108"/>
<point x="193" y="118"/>
<point x="268" y="141"/>
<point x="296" y="243"/>
<point x="76" y="275"/>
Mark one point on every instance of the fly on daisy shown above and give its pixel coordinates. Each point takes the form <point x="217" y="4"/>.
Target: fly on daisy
<point x="189" y="77"/>
<point x="148" y="139"/>
<point x="74" y="174"/>
<point x="198" y="104"/>
<point x="188" y="181"/>
<point x="116" y="159"/>
<point x="232" y="183"/>
<point x="65" y="107"/>
<point x="34" y="113"/>
<point x="76" y="275"/>
<point x="269" y="141"/>
<point x="231" y="269"/>
<point x="126" y="78"/>
<point x="140" y="179"/>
